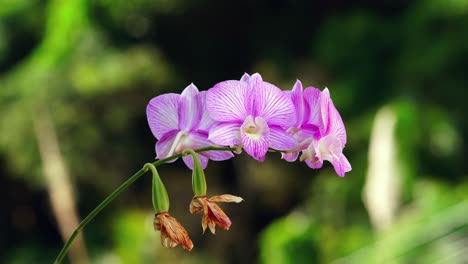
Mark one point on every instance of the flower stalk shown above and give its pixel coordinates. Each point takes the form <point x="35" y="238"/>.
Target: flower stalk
<point x="116" y="193"/>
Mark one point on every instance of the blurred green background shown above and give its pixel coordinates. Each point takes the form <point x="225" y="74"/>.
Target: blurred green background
<point x="76" y="75"/>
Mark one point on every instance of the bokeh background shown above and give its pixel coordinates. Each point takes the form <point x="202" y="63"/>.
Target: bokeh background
<point x="76" y="75"/>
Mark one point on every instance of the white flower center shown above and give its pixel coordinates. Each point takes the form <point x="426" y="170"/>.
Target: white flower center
<point x="255" y="129"/>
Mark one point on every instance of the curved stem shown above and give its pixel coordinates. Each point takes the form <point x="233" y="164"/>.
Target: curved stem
<point x="117" y="192"/>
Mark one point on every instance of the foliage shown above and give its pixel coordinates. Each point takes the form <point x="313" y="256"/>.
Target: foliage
<point x="96" y="64"/>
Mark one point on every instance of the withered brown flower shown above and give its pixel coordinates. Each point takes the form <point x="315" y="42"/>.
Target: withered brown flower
<point x="212" y="213"/>
<point x="172" y="232"/>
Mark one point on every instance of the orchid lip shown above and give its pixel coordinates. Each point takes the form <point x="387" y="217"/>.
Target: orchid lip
<point x="254" y="128"/>
<point x="329" y="147"/>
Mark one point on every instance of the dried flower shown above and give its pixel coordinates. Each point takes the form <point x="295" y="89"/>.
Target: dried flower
<point x="212" y="213"/>
<point x="172" y="232"/>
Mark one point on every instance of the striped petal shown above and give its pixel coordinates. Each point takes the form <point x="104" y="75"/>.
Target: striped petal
<point x="166" y="144"/>
<point x="335" y="124"/>
<point x="273" y="105"/>
<point x="229" y="101"/>
<point x="312" y="98"/>
<point x="281" y="140"/>
<point x="257" y="148"/>
<point x="188" y="160"/>
<point x="206" y="122"/>
<point x="190" y="108"/>
<point x="290" y="157"/>
<point x="225" y="134"/>
<point x="162" y="114"/>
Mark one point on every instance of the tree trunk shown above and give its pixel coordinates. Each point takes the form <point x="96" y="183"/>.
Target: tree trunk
<point x="58" y="183"/>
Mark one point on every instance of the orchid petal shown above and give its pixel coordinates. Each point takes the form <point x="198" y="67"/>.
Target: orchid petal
<point x="315" y="164"/>
<point x="274" y="105"/>
<point x="255" y="80"/>
<point x="225" y="134"/>
<point x="309" y="155"/>
<point x="189" y="108"/>
<point x="290" y="157"/>
<point x="205" y="219"/>
<point x="218" y="155"/>
<point x="336" y="126"/>
<point x="297" y="98"/>
<point x="330" y="148"/>
<point x="188" y="160"/>
<point x="281" y="140"/>
<point x="341" y="165"/>
<point x="245" y="77"/>
<point x="312" y="98"/>
<point x="226" y="198"/>
<point x="206" y="122"/>
<point x="255" y="147"/>
<point x="200" y="140"/>
<point x="324" y="112"/>
<point x="172" y="232"/>
<point x="165" y="144"/>
<point x="162" y="114"/>
<point x="218" y="217"/>
<point x="253" y="131"/>
<point x="229" y="101"/>
<point x="305" y="134"/>
<point x="212" y="226"/>
<point x="197" y="140"/>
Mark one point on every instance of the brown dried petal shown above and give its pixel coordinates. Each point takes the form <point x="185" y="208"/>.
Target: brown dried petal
<point x="217" y="215"/>
<point x="196" y="205"/>
<point x="212" y="214"/>
<point x="172" y="232"/>
<point x="226" y="198"/>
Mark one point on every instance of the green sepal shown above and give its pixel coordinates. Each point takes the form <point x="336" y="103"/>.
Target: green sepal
<point x="159" y="193"/>
<point x="198" y="175"/>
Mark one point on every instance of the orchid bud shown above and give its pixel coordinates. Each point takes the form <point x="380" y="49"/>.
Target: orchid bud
<point x="198" y="175"/>
<point x="160" y="197"/>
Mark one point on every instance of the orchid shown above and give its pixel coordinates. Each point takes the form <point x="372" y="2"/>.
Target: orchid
<point x="306" y="104"/>
<point x="252" y="114"/>
<point x="179" y="122"/>
<point x="212" y="214"/>
<point x="320" y="131"/>
<point x="249" y="114"/>
<point x="172" y="232"/>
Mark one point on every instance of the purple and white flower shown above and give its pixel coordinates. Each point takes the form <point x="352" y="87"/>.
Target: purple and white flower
<point x="252" y="114"/>
<point x="319" y="131"/>
<point x="306" y="104"/>
<point x="180" y="122"/>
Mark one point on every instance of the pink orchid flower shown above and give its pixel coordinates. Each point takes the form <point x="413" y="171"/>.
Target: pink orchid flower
<point x="180" y="122"/>
<point x="252" y="114"/>
<point x="319" y="130"/>
<point x="307" y="125"/>
<point x="329" y="137"/>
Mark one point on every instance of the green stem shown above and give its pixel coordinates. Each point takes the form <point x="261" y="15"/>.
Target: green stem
<point x="116" y="193"/>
